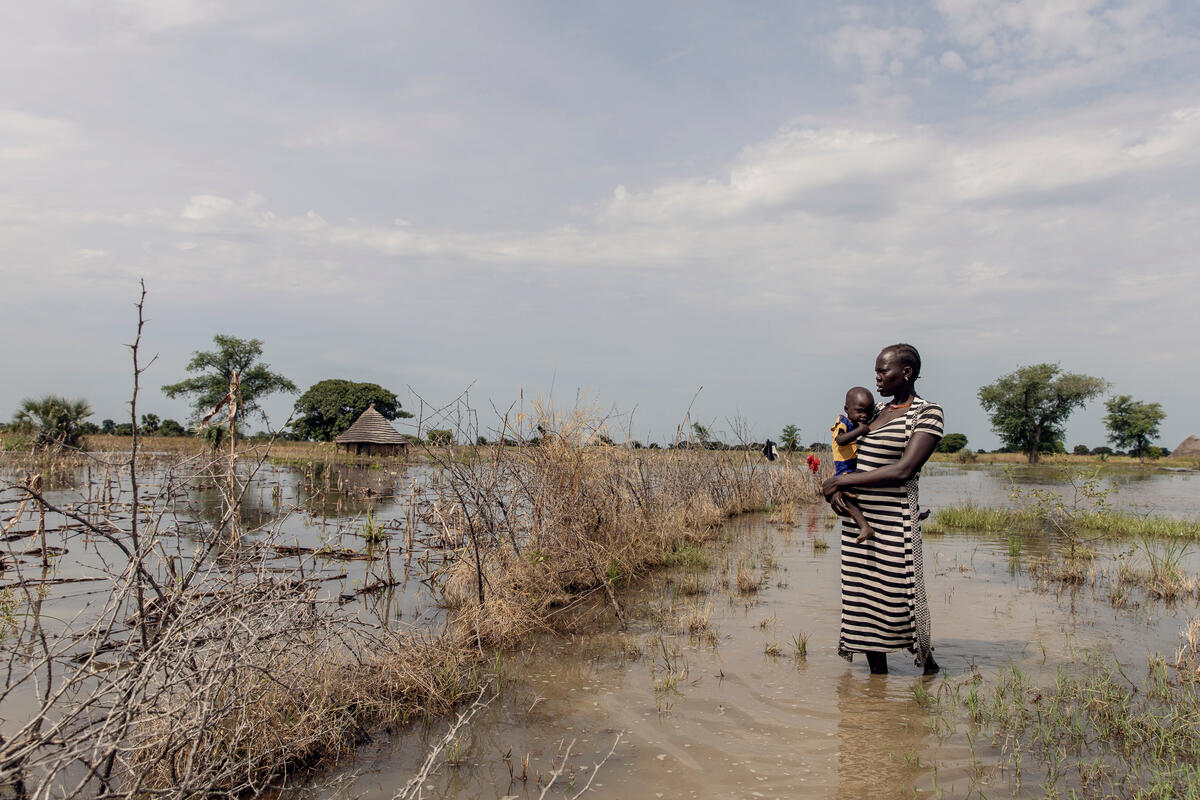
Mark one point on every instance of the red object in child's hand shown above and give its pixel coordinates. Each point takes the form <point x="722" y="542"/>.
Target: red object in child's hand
<point x="814" y="463"/>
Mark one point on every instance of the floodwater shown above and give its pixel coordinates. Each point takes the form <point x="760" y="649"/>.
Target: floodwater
<point x="731" y="712"/>
<point x="726" y="717"/>
<point x="1171" y="493"/>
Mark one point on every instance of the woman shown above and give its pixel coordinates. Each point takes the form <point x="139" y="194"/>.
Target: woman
<point x="883" y="582"/>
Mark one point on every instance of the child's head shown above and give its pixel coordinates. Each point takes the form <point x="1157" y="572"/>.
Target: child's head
<point x="859" y="405"/>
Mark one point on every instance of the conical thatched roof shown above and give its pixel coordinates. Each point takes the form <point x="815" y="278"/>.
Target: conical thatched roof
<point x="1188" y="447"/>
<point x="372" y="428"/>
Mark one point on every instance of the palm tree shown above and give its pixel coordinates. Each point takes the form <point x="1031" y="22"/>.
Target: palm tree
<point x="789" y="439"/>
<point x="56" y="421"/>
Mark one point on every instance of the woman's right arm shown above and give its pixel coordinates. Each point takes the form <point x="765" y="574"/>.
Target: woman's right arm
<point x="920" y="447"/>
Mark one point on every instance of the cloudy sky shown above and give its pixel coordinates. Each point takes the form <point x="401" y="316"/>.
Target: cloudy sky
<point x="628" y="201"/>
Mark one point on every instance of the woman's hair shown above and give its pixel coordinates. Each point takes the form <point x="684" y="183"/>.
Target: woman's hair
<point x="906" y="354"/>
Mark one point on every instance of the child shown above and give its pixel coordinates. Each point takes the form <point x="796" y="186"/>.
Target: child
<point x="850" y="426"/>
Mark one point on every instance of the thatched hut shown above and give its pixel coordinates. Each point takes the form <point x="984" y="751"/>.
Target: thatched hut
<point x="372" y="435"/>
<point x="1188" y="447"/>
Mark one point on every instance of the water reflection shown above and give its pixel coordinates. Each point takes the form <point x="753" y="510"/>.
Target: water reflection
<point x="881" y="735"/>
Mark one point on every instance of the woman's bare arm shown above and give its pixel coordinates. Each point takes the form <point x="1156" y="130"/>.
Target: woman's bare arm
<point x="919" y="448"/>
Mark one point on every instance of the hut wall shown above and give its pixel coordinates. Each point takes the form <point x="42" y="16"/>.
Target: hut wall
<point x="372" y="449"/>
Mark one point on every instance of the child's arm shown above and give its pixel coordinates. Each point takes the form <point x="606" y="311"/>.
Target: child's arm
<point x="848" y="436"/>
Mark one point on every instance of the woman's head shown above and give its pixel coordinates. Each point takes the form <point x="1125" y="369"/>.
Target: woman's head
<point x="896" y="369"/>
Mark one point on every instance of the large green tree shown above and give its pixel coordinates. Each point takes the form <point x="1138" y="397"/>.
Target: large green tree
<point x="55" y="422"/>
<point x="1030" y="406"/>
<point x="214" y="369"/>
<point x="1132" y="424"/>
<point x="331" y="406"/>
<point x="952" y="443"/>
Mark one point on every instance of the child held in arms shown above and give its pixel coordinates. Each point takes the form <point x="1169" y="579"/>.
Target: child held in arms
<point x="851" y="425"/>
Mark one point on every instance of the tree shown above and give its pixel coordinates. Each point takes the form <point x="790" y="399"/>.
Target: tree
<point x="215" y="369"/>
<point x="440" y="436"/>
<point x="330" y="406"/>
<point x="952" y="443"/>
<point x="1029" y="407"/>
<point x="107" y="426"/>
<point x="55" y="421"/>
<point x="1132" y="424"/>
<point x="150" y="424"/>
<point x="789" y="438"/>
<point x="1081" y="450"/>
<point x="170" y="427"/>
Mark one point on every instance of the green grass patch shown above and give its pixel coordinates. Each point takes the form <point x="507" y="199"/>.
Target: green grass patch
<point x="1116" y="524"/>
<point x="971" y="517"/>
<point x="688" y="555"/>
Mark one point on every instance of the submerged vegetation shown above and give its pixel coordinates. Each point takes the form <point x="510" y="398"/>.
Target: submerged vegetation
<point x="1096" y="731"/>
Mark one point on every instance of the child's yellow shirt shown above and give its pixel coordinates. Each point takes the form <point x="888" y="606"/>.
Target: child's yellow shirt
<point x="843" y="452"/>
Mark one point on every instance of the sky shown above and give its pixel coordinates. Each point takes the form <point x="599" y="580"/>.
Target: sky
<point x="722" y="209"/>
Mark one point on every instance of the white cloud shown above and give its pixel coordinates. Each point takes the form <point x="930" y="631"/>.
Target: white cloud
<point x="25" y="136"/>
<point x="874" y="48"/>
<point x="952" y="61"/>
<point x="207" y="206"/>
<point x="339" y="133"/>
<point x="145" y="16"/>
<point x="1030" y="48"/>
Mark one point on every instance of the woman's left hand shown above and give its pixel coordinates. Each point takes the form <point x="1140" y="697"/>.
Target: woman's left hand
<point x="830" y="486"/>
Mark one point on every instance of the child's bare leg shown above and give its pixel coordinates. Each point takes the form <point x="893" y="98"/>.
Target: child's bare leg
<point x="865" y="531"/>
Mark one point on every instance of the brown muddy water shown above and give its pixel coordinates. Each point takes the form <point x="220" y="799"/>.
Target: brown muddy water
<point x="730" y="710"/>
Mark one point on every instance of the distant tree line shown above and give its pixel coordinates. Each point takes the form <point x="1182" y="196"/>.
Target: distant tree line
<point x="1028" y="409"/>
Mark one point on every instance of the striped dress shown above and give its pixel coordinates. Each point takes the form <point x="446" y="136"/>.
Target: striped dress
<point x="883" y="580"/>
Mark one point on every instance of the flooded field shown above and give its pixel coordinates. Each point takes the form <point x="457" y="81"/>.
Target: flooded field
<point x="734" y="711"/>
<point x="725" y="682"/>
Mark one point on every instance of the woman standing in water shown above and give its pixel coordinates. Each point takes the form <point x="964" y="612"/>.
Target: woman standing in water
<point x="883" y="580"/>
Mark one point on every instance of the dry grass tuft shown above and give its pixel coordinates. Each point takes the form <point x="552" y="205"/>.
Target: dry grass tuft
<point x="695" y="619"/>
<point x="288" y="704"/>
<point x="748" y="580"/>
<point x="691" y="585"/>
<point x="1187" y="657"/>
